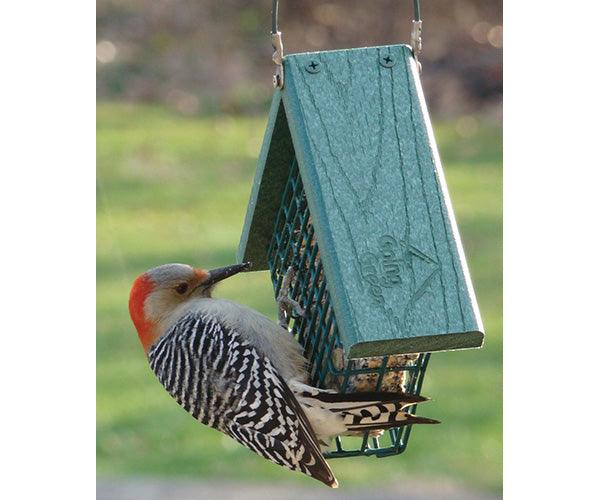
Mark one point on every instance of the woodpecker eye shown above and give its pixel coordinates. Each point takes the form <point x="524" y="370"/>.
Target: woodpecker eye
<point x="181" y="288"/>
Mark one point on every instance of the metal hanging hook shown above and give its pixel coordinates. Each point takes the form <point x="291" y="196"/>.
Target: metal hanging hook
<point x="277" y="44"/>
<point x="276" y="40"/>
<point x="416" y="41"/>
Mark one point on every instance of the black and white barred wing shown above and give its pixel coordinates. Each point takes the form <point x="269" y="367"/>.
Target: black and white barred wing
<point x="227" y="384"/>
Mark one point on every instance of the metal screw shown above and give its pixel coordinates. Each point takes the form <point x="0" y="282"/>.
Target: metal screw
<point x="386" y="61"/>
<point x="313" y="67"/>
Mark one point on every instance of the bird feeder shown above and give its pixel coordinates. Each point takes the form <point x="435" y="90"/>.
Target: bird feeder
<point x="350" y="193"/>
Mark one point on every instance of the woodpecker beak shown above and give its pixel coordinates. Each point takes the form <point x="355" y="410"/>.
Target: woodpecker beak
<point x="219" y="274"/>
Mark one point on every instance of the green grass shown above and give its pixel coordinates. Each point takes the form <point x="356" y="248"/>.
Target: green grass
<point x="174" y="189"/>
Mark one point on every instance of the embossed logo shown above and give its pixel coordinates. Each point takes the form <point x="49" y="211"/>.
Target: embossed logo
<point x="392" y="265"/>
<point x="382" y="270"/>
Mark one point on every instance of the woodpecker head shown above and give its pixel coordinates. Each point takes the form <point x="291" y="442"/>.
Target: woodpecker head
<point x="159" y="291"/>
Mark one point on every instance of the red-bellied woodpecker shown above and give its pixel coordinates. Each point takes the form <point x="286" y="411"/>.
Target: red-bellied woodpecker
<point x="237" y="371"/>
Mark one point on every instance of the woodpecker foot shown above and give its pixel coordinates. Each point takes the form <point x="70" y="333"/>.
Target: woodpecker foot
<point x="377" y="433"/>
<point x="286" y="306"/>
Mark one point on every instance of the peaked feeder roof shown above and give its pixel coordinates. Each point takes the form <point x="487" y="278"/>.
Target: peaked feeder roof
<point x="357" y="124"/>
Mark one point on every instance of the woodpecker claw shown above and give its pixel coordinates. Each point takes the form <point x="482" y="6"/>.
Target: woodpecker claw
<point x="300" y="311"/>
<point x="287" y="307"/>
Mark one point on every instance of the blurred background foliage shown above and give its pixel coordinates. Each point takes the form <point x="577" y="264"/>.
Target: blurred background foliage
<point x="183" y="91"/>
<point x="215" y="56"/>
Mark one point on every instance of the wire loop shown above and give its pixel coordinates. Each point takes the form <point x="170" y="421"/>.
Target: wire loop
<point x="277" y="42"/>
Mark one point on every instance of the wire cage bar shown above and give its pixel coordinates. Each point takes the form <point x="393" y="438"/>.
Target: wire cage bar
<point x="294" y="244"/>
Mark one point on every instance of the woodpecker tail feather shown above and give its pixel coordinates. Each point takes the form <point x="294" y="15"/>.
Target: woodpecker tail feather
<point x="380" y="415"/>
<point x="393" y="400"/>
<point x="334" y="414"/>
<point x="382" y="421"/>
<point x="337" y="402"/>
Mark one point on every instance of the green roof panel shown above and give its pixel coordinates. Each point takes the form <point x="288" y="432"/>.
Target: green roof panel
<point x="357" y="124"/>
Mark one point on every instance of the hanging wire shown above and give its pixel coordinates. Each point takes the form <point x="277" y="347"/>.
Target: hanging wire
<point x="417" y="10"/>
<point x="415" y="34"/>
<point x="277" y="42"/>
<point x="275" y="14"/>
